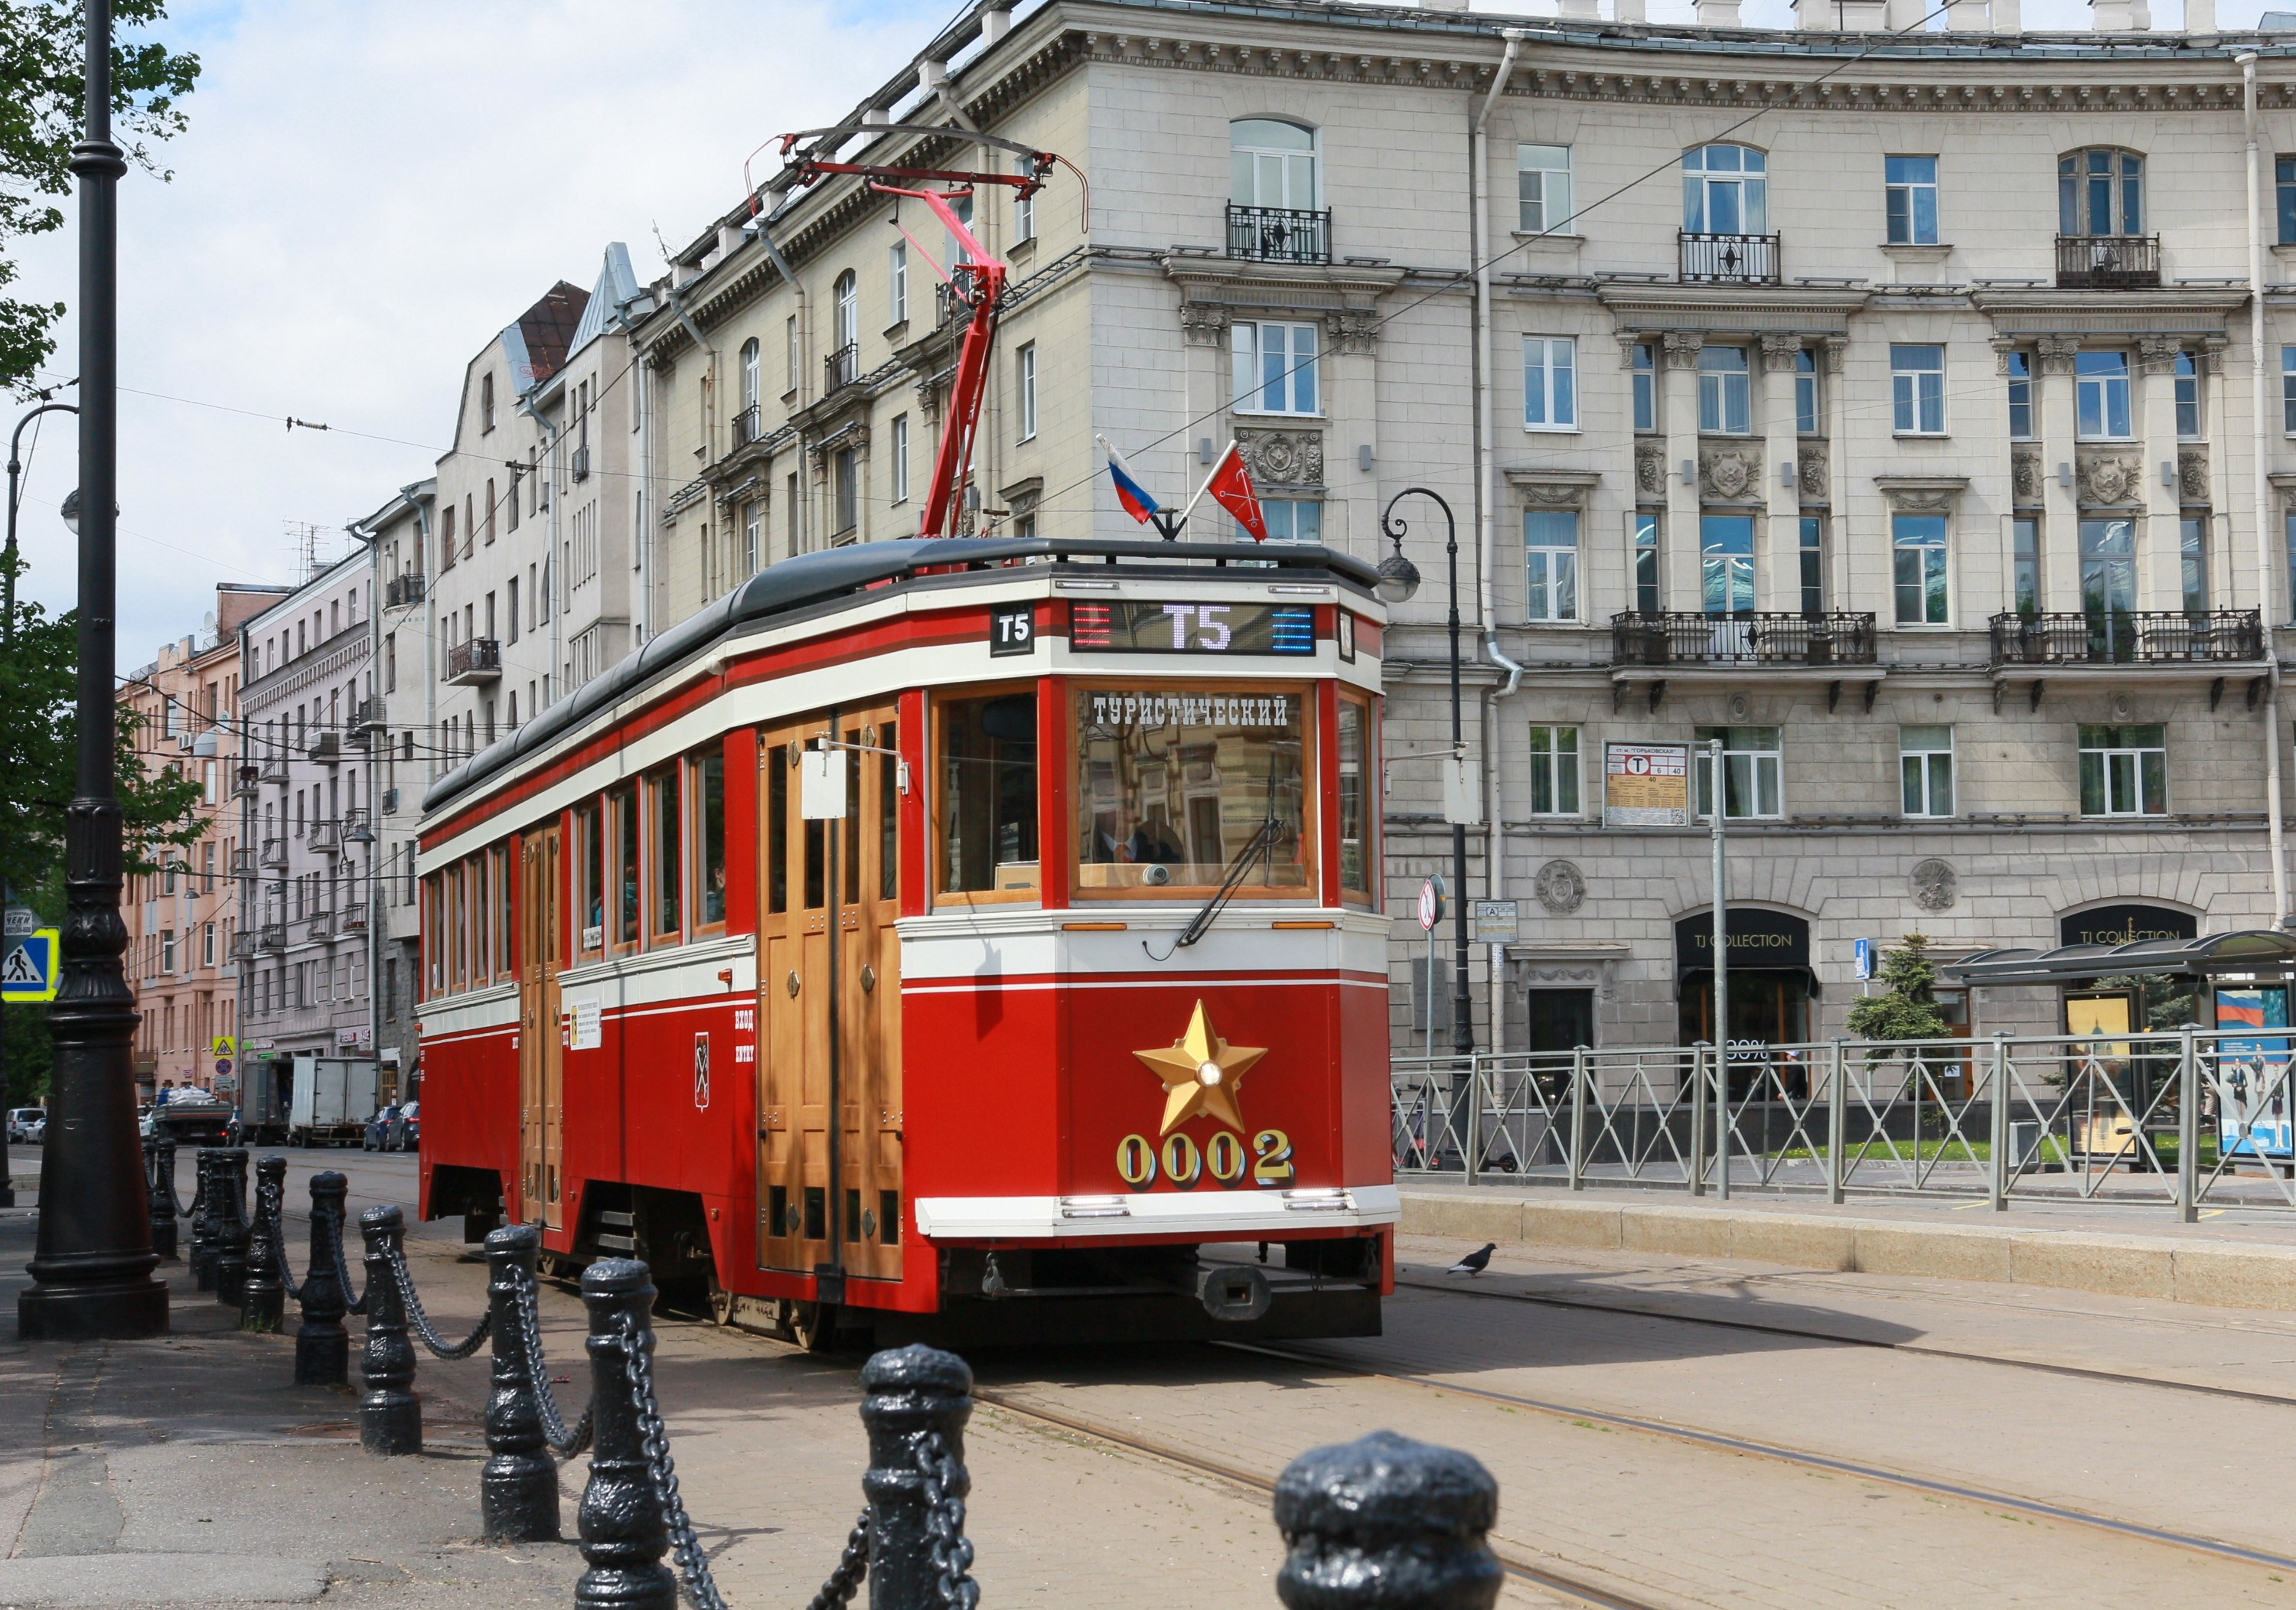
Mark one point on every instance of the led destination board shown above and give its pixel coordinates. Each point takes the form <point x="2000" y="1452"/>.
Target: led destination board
<point x="1127" y="626"/>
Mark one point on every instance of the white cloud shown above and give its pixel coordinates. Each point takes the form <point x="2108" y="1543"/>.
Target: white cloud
<point x="366" y="195"/>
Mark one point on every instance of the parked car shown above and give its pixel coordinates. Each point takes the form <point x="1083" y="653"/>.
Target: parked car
<point x="143" y="1120"/>
<point x="27" y="1124"/>
<point x="378" y="1130"/>
<point x="404" y="1132"/>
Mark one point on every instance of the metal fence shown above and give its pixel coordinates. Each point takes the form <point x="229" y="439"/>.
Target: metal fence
<point x="2180" y="1118"/>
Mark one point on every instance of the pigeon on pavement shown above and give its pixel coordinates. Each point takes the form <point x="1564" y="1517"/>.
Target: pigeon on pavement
<point x="1475" y="1261"/>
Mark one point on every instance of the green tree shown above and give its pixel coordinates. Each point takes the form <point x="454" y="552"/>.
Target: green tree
<point x="43" y="49"/>
<point x="1907" y="1009"/>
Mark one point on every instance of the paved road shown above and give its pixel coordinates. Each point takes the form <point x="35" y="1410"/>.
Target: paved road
<point x="1889" y="1442"/>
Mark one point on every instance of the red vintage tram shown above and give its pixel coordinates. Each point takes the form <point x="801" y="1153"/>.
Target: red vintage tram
<point x="944" y="938"/>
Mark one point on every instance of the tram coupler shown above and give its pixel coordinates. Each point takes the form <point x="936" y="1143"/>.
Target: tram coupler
<point x="1235" y="1294"/>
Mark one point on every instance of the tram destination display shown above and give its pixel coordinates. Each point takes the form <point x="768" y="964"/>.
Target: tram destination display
<point x="1134" y="627"/>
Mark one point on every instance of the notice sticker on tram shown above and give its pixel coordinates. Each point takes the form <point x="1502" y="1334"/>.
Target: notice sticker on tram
<point x="1646" y="785"/>
<point x="1124" y="626"/>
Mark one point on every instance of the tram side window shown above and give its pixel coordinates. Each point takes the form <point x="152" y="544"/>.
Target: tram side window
<point x="668" y="875"/>
<point x="434" y="933"/>
<point x="458" y="925"/>
<point x="889" y="816"/>
<point x="777" y="809"/>
<point x="1174" y="786"/>
<point x="504" y="948"/>
<point x="1359" y="846"/>
<point x="589" y="899"/>
<point x="482" y="948"/>
<point x="623" y="802"/>
<point x="985" y="813"/>
<point x="849" y="831"/>
<point x="706" y="790"/>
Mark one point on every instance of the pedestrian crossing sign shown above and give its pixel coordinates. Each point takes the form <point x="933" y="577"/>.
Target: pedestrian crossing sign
<point x="28" y="971"/>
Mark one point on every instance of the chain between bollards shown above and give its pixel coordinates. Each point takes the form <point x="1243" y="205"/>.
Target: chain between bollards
<point x="391" y="1416"/>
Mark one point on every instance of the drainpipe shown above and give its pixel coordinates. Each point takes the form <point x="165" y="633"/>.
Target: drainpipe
<point x="1487" y="506"/>
<point x="372" y="896"/>
<point x="2260" y="495"/>
<point x="547" y="467"/>
<point x="430" y="633"/>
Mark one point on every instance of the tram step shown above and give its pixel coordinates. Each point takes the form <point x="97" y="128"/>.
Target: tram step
<point x="618" y="1243"/>
<point x="612" y="1215"/>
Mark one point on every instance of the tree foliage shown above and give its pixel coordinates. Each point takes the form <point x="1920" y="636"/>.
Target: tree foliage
<point x="42" y="91"/>
<point x="1907" y="1009"/>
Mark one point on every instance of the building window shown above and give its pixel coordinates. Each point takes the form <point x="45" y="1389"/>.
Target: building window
<point x="1271" y="163"/>
<point x="1550" y="383"/>
<point x="789" y="339"/>
<point x="2100" y="192"/>
<point x="1555" y="770"/>
<point x="1725" y="401"/>
<point x="1646" y="587"/>
<point x="2194" y="562"/>
<point x="2021" y="396"/>
<point x="1918" y="542"/>
<point x="900" y="458"/>
<point x="1550" y="538"/>
<point x="1806" y="412"/>
<point x="1750" y="772"/>
<point x="1725" y="190"/>
<point x="750" y="359"/>
<point x="846" y="489"/>
<point x="2188" y="397"/>
<point x="1543" y="182"/>
<point x="896" y="281"/>
<point x="1917" y="390"/>
<point x="1289" y="520"/>
<point x="166" y="950"/>
<point x="1274" y="367"/>
<point x="2108" y="572"/>
<point x="2101" y="396"/>
<point x="1725" y="563"/>
<point x="1813" y="564"/>
<point x="1911" y="188"/>
<point x="1024" y="206"/>
<point x="753" y="522"/>
<point x="2124" y="771"/>
<point x="2025" y="563"/>
<point x="486" y="402"/>
<point x="1025" y="368"/>
<point x="1643" y="364"/>
<point x="1925" y="768"/>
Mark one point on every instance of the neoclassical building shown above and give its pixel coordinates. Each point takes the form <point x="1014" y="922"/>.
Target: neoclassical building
<point x="1896" y="410"/>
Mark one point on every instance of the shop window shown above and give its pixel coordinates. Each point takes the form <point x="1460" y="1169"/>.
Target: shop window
<point x="985" y="798"/>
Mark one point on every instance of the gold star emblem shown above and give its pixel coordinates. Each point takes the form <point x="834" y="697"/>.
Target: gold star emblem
<point x="1201" y="1074"/>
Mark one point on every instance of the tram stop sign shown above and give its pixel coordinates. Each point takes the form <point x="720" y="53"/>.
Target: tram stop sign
<point x="1430" y="903"/>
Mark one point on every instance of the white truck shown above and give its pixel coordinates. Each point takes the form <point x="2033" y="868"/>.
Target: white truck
<point x="332" y="1099"/>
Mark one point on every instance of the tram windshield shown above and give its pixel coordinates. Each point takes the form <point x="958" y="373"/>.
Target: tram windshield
<point x="1171" y="784"/>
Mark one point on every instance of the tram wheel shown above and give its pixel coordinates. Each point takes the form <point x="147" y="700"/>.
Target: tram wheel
<point x="811" y="1326"/>
<point x="721" y="1303"/>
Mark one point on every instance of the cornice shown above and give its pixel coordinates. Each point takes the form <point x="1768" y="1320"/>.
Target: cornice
<point x="2170" y="310"/>
<point x="1239" y="281"/>
<point x="1647" y="306"/>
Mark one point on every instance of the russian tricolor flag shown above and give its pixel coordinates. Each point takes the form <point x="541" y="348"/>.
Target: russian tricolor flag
<point x="1129" y="492"/>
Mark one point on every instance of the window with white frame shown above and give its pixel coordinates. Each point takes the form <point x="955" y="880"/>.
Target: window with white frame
<point x="1024" y="206"/>
<point x="2188" y="397"/>
<point x="753" y="519"/>
<point x="1917" y="390"/>
<point x="1910" y="187"/>
<point x="1024" y="364"/>
<point x="1553" y="771"/>
<point x="1550" y="539"/>
<point x="1647" y="592"/>
<point x="900" y="457"/>
<point x="750" y="372"/>
<point x="896" y="281"/>
<point x="1724" y="398"/>
<point x="1751" y="772"/>
<point x="1641" y="362"/>
<point x="789" y="334"/>
<point x="1291" y="519"/>
<point x="2193" y="562"/>
<point x="2101" y="193"/>
<point x="1275" y="366"/>
<point x="2101" y="397"/>
<point x="1926" y="770"/>
<point x="1543" y="183"/>
<point x="1917" y="544"/>
<point x="2021" y="396"/>
<point x="1725" y="190"/>
<point x="2124" y="770"/>
<point x="1808" y="402"/>
<point x="1272" y="163"/>
<point x="1813" y="564"/>
<point x="2288" y="390"/>
<point x="1550" y="383"/>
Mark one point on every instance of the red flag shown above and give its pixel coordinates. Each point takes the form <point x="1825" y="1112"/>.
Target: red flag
<point x="1230" y="487"/>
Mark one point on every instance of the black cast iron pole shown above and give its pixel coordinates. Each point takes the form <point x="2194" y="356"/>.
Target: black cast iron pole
<point x="92" y="1270"/>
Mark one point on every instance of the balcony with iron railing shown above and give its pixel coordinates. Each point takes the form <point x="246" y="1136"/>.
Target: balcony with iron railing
<point x="246" y="780"/>
<point x="1766" y="639"/>
<point x="948" y="307"/>
<point x="2108" y="262"/>
<point x="401" y="591"/>
<point x="275" y="853"/>
<point x="243" y="947"/>
<point x="1279" y="234"/>
<point x="473" y="661"/>
<point x="243" y="862"/>
<point x="578" y="462"/>
<point x="2128" y="637"/>
<point x="843" y="366"/>
<point x="352" y="919"/>
<point x="745" y="426"/>
<point x="325" y="838"/>
<point x="322" y="926"/>
<point x="1714" y="260"/>
<point x="358" y="828"/>
<point x="274" y="769"/>
<point x="369" y="717"/>
<point x="271" y="936"/>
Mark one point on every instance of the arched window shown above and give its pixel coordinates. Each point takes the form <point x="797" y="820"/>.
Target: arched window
<point x="1725" y="190"/>
<point x="2100" y="191"/>
<point x="848" y="310"/>
<point x="1272" y="164"/>
<point x="750" y="372"/>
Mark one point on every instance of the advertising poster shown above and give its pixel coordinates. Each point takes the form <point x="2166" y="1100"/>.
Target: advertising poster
<point x="1646" y="785"/>
<point x="2252" y="1107"/>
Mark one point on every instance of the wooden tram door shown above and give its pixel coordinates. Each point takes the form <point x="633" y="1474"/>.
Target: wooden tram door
<point x="541" y="1041"/>
<point x="813" y="1201"/>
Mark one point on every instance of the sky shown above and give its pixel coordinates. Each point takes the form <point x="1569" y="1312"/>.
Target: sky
<point x="366" y="193"/>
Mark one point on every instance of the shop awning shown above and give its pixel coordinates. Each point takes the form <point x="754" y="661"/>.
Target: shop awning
<point x="2249" y="951"/>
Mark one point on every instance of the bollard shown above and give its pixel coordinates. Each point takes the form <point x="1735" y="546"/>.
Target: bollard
<point x="322" y="1346"/>
<point x="391" y="1416"/>
<point x="1389" y="1522"/>
<point x="907" y="1395"/>
<point x="159" y="1173"/>
<point x="229" y="1194"/>
<point x="263" y="1294"/>
<point x="624" y="1533"/>
<point x="202" y="1260"/>
<point x="518" y="1485"/>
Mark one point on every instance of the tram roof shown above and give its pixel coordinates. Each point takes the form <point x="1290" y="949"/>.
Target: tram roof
<point x="833" y="577"/>
<point x="2248" y="950"/>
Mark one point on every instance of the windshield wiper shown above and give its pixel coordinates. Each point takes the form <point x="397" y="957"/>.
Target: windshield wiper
<point x="1258" y="843"/>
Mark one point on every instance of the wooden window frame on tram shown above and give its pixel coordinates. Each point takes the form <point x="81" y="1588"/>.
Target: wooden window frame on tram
<point x="1311" y="837"/>
<point x="1367" y="898"/>
<point x="690" y="764"/>
<point x="588" y="819"/>
<point x="616" y="945"/>
<point x="650" y="931"/>
<point x="937" y="700"/>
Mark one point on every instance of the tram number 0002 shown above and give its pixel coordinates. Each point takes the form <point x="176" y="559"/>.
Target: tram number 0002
<point x="1222" y="1157"/>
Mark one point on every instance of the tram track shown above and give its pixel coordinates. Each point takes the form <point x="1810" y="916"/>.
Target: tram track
<point x="2079" y="1372"/>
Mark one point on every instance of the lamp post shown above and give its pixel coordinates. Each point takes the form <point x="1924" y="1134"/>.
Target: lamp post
<point x="1399" y="580"/>
<point x="92" y="1270"/>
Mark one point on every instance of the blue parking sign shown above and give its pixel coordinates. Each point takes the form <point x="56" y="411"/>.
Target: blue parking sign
<point x="1864" y="966"/>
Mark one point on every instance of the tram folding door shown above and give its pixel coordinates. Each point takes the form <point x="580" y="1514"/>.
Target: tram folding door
<point x="541" y="1044"/>
<point x="832" y="1016"/>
